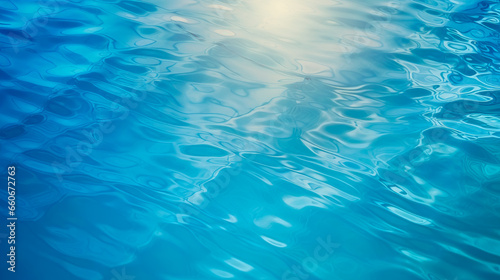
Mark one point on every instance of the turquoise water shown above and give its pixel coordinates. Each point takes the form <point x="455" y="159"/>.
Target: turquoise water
<point x="257" y="139"/>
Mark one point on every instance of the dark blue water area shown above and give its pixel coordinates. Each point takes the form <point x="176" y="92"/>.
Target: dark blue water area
<point x="217" y="139"/>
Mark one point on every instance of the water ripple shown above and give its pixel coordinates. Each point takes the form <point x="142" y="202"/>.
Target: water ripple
<point x="253" y="139"/>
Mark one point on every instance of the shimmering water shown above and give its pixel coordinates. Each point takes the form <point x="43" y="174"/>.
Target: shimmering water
<point x="257" y="139"/>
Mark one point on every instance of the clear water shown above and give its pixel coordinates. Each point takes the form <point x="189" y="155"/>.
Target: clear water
<point x="257" y="139"/>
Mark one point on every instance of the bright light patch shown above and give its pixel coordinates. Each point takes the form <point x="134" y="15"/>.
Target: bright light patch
<point x="277" y="14"/>
<point x="282" y="18"/>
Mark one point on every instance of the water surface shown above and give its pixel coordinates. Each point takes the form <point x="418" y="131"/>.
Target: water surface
<point x="253" y="139"/>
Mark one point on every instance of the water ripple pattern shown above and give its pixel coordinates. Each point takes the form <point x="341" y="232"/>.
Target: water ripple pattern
<point x="263" y="139"/>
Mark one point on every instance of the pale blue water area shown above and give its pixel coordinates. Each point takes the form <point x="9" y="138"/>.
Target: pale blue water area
<point x="272" y="139"/>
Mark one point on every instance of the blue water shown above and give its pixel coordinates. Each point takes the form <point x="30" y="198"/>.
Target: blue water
<point x="293" y="140"/>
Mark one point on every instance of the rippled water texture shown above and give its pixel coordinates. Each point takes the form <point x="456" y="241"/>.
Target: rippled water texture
<point x="263" y="139"/>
